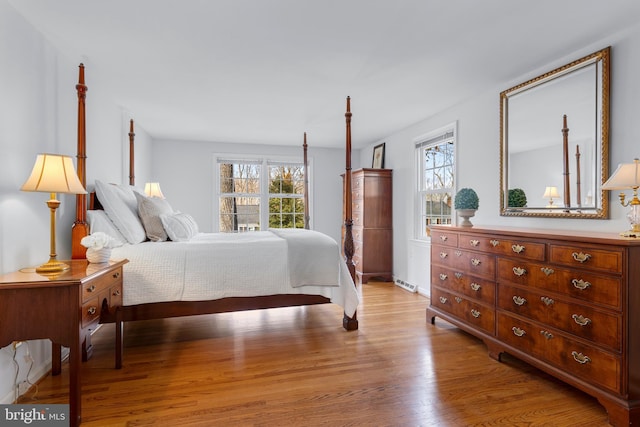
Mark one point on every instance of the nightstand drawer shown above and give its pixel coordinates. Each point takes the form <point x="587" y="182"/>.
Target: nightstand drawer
<point x="93" y="287"/>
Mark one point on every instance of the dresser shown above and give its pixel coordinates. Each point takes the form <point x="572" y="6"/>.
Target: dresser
<point x="565" y="302"/>
<point x="65" y="308"/>
<point x="372" y="223"/>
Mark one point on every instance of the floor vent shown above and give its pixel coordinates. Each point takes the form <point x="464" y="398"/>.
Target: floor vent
<point x="405" y="285"/>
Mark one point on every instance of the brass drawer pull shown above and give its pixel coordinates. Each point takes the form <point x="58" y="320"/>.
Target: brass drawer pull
<point x="580" y="358"/>
<point x="92" y="310"/>
<point x="91" y="288"/>
<point x="443" y="255"/>
<point x="580" y="284"/>
<point x="519" y="271"/>
<point x="517" y="248"/>
<point x="458" y="253"/>
<point x="548" y="335"/>
<point x="494" y="242"/>
<point x="518" y="332"/>
<point x="547" y="271"/>
<point x="458" y="275"/>
<point x="458" y="300"/>
<point x="443" y="276"/>
<point x="443" y="238"/>
<point x="443" y="300"/>
<point x="116" y="293"/>
<point x="475" y="286"/>
<point x="580" y="319"/>
<point x="116" y="275"/>
<point x="475" y="313"/>
<point x="474" y="242"/>
<point x="580" y="257"/>
<point x="475" y="262"/>
<point x="547" y="301"/>
<point x="519" y="300"/>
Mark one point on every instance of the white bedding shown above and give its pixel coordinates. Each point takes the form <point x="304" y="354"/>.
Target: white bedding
<point x="219" y="265"/>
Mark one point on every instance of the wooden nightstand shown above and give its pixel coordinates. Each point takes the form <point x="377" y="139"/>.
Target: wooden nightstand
<point x="64" y="308"/>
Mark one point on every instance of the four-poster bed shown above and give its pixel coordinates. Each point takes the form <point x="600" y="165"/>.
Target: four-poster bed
<point x="293" y="296"/>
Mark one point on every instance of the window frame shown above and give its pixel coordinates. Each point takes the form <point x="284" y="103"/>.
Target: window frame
<point x="265" y="162"/>
<point x="431" y="139"/>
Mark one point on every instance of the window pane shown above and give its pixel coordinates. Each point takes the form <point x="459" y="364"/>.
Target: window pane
<point x="239" y="214"/>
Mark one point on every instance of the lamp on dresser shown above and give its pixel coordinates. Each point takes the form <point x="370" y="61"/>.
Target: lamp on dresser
<point x="53" y="173"/>
<point x="625" y="177"/>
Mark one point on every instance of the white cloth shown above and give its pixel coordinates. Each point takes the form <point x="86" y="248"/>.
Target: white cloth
<point x="218" y="265"/>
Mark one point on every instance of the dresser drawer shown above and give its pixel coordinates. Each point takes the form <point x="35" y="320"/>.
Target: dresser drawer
<point x="471" y="312"/>
<point x="445" y="238"/>
<point x="602" y="327"/>
<point x="607" y="260"/>
<point x="463" y="283"/>
<point x="94" y="286"/>
<point x="516" y="248"/>
<point x="577" y="283"/>
<point x="589" y="363"/>
<point x="92" y="307"/>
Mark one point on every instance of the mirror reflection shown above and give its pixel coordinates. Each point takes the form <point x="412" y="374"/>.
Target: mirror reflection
<point x="554" y="142"/>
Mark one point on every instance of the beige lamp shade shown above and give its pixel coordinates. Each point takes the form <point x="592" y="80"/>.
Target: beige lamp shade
<point x="152" y="189"/>
<point x="627" y="175"/>
<point x="551" y="192"/>
<point x="54" y="173"/>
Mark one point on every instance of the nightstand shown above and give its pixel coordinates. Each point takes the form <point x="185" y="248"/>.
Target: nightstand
<point x="64" y="308"/>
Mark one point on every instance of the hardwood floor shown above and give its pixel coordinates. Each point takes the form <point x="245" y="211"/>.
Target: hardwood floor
<point x="297" y="366"/>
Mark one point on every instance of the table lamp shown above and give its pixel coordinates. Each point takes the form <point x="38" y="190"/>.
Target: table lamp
<point x="627" y="176"/>
<point x="53" y="173"/>
<point x="152" y="189"/>
<point x="551" y="193"/>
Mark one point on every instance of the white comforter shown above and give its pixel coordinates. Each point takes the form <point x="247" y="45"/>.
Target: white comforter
<point x="219" y="265"/>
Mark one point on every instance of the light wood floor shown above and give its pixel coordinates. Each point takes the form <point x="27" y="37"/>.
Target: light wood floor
<point x="298" y="367"/>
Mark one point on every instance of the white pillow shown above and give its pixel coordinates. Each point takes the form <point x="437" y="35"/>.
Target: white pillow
<point x="149" y="211"/>
<point x="119" y="202"/>
<point x="180" y="227"/>
<point x="99" y="221"/>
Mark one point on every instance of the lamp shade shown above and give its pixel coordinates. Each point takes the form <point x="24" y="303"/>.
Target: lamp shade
<point x="627" y="175"/>
<point x="550" y="192"/>
<point x="54" y="173"/>
<point x="152" y="189"/>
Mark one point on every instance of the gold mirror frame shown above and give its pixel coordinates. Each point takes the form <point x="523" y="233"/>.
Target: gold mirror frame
<point x="600" y="207"/>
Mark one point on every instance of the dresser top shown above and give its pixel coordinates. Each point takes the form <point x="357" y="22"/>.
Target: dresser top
<point x="543" y="233"/>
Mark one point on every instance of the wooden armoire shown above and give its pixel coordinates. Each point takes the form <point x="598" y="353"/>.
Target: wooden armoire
<point x="372" y="224"/>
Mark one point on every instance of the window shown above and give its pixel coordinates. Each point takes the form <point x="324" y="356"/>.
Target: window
<point x="258" y="194"/>
<point x="435" y="154"/>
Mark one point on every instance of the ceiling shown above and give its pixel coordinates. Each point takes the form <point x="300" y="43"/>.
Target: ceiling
<point x="258" y="71"/>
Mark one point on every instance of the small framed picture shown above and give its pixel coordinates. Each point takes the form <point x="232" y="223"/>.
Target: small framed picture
<point x="378" y="157"/>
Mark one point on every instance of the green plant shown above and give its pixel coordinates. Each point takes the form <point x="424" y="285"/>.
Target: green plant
<point x="517" y="198"/>
<point x="466" y="198"/>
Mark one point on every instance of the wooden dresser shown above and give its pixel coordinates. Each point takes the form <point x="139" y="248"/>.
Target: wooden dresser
<point x="565" y="302"/>
<point x="372" y="224"/>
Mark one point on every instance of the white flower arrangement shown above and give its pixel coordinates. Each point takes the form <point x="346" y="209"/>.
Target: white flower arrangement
<point x="99" y="240"/>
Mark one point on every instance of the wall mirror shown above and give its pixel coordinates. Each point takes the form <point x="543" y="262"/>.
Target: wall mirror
<point x="554" y="142"/>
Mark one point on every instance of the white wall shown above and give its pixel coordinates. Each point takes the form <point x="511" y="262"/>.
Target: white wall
<point x="38" y="113"/>
<point x="180" y="165"/>
<point x="478" y="151"/>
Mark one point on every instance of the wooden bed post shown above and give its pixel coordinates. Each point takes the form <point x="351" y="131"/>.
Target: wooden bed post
<point x="80" y="228"/>
<point x="132" y="175"/>
<point x="349" y="323"/>
<point x="565" y="158"/>
<point x="306" y="184"/>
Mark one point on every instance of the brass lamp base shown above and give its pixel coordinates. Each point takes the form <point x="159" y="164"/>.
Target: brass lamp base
<point x="52" y="266"/>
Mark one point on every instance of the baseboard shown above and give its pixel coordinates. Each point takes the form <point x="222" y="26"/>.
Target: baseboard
<point x="405" y="285"/>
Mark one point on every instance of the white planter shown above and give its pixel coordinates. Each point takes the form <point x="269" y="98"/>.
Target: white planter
<point x="98" y="256"/>
<point x="465" y="214"/>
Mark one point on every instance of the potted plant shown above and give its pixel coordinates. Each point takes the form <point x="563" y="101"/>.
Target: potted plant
<point x="466" y="203"/>
<point x="517" y="198"/>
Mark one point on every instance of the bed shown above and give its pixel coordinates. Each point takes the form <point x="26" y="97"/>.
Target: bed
<point x="205" y="273"/>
